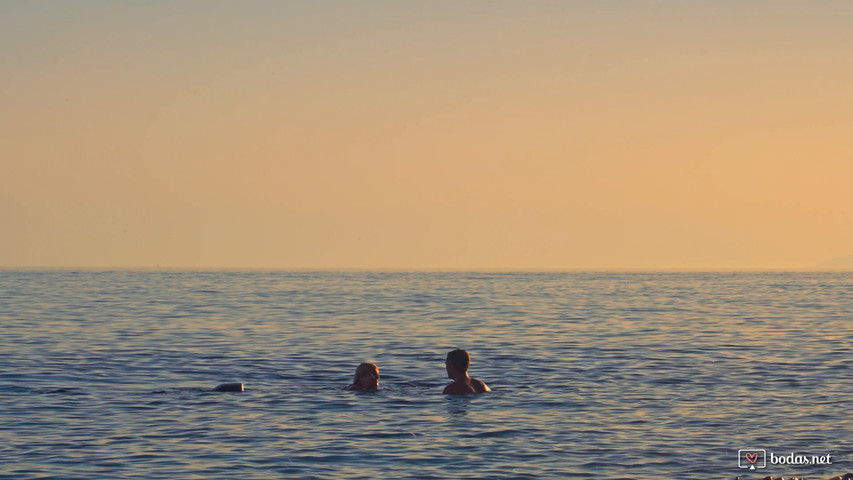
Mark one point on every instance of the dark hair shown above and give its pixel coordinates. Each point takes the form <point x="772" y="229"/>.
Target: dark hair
<point x="458" y="358"/>
<point x="362" y="369"/>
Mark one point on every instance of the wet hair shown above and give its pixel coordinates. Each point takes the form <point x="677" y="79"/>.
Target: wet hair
<point x="458" y="358"/>
<point x="362" y="369"/>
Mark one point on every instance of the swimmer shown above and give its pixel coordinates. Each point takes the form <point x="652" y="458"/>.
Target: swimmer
<point x="366" y="378"/>
<point x="457" y="369"/>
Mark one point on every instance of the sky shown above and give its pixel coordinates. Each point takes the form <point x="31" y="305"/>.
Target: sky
<point x="493" y="134"/>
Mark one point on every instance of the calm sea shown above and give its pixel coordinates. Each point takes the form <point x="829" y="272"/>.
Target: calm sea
<point x="106" y="375"/>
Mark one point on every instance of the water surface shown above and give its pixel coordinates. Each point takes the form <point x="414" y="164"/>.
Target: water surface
<point x="106" y="375"/>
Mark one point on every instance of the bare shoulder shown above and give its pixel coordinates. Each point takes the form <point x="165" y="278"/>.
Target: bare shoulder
<point x="471" y="386"/>
<point x="480" y="386"/>
<point x="457" y="388"/>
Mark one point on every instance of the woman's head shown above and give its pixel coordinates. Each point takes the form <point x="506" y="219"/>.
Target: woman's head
<point x="366" y="376"/>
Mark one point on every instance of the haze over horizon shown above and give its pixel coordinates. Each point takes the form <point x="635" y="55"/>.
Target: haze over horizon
<point x="448" y="135"/>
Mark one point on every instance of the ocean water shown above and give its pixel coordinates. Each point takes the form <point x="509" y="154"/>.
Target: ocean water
<point x="107" y="375"/>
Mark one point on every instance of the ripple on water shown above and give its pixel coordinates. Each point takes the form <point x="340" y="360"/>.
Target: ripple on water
<point x="607" y="375"/>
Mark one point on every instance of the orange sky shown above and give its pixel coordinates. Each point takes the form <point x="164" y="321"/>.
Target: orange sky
<point x="436" y="135"/>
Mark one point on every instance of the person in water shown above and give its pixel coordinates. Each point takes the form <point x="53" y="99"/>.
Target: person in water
<point x="457" y="369"/>
<point x="366" y="377"/>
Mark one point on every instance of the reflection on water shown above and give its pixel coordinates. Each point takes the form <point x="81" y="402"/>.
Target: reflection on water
<point x="643" y="375"/>
<point x="458" y="406"/>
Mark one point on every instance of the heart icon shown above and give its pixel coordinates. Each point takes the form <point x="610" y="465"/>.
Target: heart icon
<point x="751" y="457"/>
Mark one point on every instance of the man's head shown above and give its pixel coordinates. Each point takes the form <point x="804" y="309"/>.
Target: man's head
<point x="457" y="361"/>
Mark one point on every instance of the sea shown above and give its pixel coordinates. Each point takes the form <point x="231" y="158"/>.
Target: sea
<point x="594" y="375"/>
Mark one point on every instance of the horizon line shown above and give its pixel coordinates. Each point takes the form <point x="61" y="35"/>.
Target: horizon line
<point x="427" y="269"/>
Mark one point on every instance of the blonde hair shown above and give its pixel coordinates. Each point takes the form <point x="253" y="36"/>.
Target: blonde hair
<point x="362" y="369"/>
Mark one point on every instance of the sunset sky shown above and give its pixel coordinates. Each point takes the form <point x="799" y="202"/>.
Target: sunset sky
<point x="426" y="135"/>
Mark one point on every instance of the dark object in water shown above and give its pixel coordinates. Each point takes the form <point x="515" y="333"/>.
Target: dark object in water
<point x="229" y="387"/>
